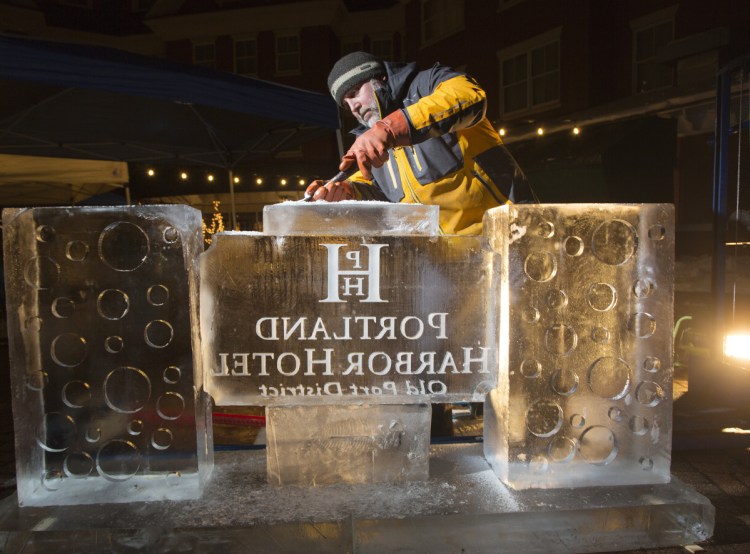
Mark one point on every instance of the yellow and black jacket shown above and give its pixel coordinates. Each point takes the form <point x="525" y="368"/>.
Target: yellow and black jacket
<point x="457" y="160"/>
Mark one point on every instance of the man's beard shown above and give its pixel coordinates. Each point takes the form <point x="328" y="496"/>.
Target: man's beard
<point x="373" y="110"/>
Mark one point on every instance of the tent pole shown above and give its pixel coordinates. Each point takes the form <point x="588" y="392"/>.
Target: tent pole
<point x="231" y="199"/>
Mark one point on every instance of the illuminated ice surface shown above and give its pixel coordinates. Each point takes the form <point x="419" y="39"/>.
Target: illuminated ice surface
<point x="584" y="395"/>
<point x="314" y="319"/>
<point x="350" y="218"/>
<point x="462" y="507"/>
<point x="348" y="443"/>
<point x="106" y="394"/>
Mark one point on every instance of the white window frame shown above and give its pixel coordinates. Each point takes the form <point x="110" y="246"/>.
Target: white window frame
<point x="446" y="23"/>
<point x="526" y="48"/>
<point x="209" y="63"/>
<point x="640" y="25"/>
<point x="279" y="35"/>
<point x="236" y="57"/>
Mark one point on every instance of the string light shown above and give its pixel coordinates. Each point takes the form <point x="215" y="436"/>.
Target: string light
<point x="283" y="182"/>
<point x="576" y="130"/>
<point x="183" y="176"/>
<point x="151" y="173"/>
<point x="258" y="181"/>
<point x="540" y="131"/>
<point x="302" y="182"/>
<point x="210" y="178"/>
<point x="236" y="180"/>
<point x="502" y="131"/>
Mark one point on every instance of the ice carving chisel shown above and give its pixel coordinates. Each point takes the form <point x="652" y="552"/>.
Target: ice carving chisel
<point x="340" y="176"/>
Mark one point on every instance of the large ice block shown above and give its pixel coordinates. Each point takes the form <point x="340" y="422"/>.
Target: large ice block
<point x="350" y="218"/>
<point x="348" y="443"/>
<point x="102" y="319"/>
<point x="317" y="318"/>
<point x="584" y="395"/>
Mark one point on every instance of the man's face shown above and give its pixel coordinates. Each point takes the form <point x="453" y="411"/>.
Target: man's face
<point x="362" y="103"/>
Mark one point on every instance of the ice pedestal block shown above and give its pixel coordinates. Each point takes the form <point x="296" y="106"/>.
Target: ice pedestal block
<point x="298" y="319"/>
<point x="584" y="395"/>
<point x="350" y="218"/>
<point x="348" y="443"/>
<point x="107" y="396"/>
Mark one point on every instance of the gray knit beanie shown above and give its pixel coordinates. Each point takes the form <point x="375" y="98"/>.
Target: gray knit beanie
<point x="351" y="70"/>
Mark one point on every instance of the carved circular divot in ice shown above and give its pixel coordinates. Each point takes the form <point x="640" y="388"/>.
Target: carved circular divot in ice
<point x="114" y="344"/>
<point x="544" y="419"/>
<point x="556" y="299"/>
<point x="649" y="393"/>
<point x="531" y="369"/>
<point x="616" y="414"/>
<point x="56" y="432"/>
<point x="598" y="445"/>
<point x="540" y="266"/>
<point x="564" y="382"/>
<point x="52" y="480"/>
<point x="560" y="339"/>
<point x="135" y="427"/>
<point x="614" y="242"/>
<point x="601" y="297"/>
<point x="123" y="246"/>
<point x="113" y="304"/>
<point x="162" y="438"/>
<point x="657" y="232"/>
<point x="76" y="250"/>
<point x="530" y="314"/>
<point x="157" y="295"/>
<point x="652" y="364"/>
<point x="171" y="235"/>
<point x="609" y="377"/>
<point x="577" y="421"/>
<point x="63" y="308"/>
<point x="573" y="246"/>
<point x="643" y="288"/>
<point x="172" y="375"/>
<point x="173" y="478"/>
<point x="118" y="460"/>
<point x="545" y="229"/>
<point x="93" y="434"/>
<point x="600" y="335"/>
<point x="78" y="465"/>
<point x="37" y="380"/>
<point x="158" y="333"/>
<point x="642" y="325"/>
<point x="647" y="464"/>
<point x="76" y="394"/>
<point x="33" y="324"/>
<point x="68" y="350"/>
<point x="639" y="425"/>
<point x="483" y="388"/>
<point x="41" y="272"/>
<point x="170" y="405"/>
<point x="127" y="390"/>
<point x="45" y="233"/>
<point x="561" y="449"/>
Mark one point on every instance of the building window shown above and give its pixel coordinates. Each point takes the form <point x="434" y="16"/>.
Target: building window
<point x="382" y="48"/>
<point x="530" y="74"/>
<point x="287" y="53"/>
<point x="204" y="54"/>
<point x="650" y="35"/>
<point x="245" y="56"/>
<point x="440" y="19"/>
<point x="349" y="45"/>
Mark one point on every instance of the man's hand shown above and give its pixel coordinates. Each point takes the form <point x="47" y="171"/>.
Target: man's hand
<point x="371" y="147"/>
<point x="331" y="192"/>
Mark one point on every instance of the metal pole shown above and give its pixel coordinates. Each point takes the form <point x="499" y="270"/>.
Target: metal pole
<point x="720" y="187"/>
<point x="231" y="199"/>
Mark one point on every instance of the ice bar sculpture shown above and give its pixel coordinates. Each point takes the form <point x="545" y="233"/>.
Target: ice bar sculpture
<point x="584" y="395"/>
<point x="107" y="396"/>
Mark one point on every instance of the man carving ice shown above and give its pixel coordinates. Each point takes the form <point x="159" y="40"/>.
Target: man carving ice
<point x="423" y="138"/>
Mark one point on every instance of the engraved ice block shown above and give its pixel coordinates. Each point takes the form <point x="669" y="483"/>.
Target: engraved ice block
<point x="102" y="318"/>
<point x="584" y="395"/>
<point x="314" y="319"/>
<point x="350" y="218"/>
<point x="348" y="443"/>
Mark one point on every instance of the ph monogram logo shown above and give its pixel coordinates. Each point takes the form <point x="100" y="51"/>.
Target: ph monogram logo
<point x="363" y="282"/>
